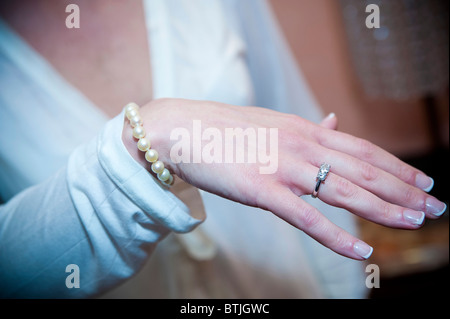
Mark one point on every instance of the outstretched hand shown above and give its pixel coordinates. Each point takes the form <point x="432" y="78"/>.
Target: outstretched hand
<point x="364" y="179"/>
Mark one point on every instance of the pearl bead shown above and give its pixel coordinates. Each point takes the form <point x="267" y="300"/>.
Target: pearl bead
<point x="151" y="155"/>
<point x="158" y="167"/>
<point x="136" y="120"/>
<point x="164" y="175"/>
<point x="169" y="181"/>
<point x="143" y="144"/>
<point x="131" y="106"/>
<point x="132" y="113"/>
<point x="138" y="132"/>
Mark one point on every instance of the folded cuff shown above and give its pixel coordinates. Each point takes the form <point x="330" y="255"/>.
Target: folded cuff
<point x="138" y="184"/>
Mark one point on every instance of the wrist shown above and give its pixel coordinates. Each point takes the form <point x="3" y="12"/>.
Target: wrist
<point x="141" y="139"/>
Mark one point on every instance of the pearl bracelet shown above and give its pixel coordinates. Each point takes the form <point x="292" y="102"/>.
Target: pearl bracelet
<point x="143" y="144"/>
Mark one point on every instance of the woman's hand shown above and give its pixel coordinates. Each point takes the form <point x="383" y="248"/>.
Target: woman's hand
<point x="363" y="179"/>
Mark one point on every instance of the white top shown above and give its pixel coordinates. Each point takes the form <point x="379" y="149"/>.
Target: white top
<point x="73" y="194"/>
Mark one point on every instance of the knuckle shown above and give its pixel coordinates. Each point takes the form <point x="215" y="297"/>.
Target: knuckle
<point x="257" y="191"/>
<point x="341" y="240"/>
<point x="385" y="213"/>
<point x="407" y="174"/>
<point x="345" y="189"/>
<point x="319" y="137"/>
<point x="409" y="195"/>
<point x="309" y="218"/>
<point x="368" y="172"/>
<point x="422" y="203"/>
<point x="415" y="198"/>
<point x="288" y="139"/>
<point x="293" y="122"/>
<point x="366" y="148"/>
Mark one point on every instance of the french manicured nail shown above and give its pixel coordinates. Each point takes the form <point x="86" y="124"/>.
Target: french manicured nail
<point x="362" y="249"/>
<point x="331" y="115"/>
<point x="414" y="217"/>
<point x="424" y="182"/>
<point x="435" y="207"/>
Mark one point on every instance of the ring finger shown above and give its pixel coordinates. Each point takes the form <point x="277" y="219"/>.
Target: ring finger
<point x="340" y="192"/>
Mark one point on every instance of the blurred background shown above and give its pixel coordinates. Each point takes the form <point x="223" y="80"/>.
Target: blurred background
<point x="390" y="86"/>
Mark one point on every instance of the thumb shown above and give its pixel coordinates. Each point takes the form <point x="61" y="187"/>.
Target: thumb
<point x="330" y="122"/>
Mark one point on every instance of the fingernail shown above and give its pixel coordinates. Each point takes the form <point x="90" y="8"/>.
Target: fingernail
<point x="414" y="217"/>
<point x="331" y="115"/>
<point x="435" y="207"/>
<point x="362" y="249"/>
<point x="424" y="182"/>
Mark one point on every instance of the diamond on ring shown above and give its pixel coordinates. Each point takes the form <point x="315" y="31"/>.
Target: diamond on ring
<point x="321" y="176"/>
<point x="323" y="171"/>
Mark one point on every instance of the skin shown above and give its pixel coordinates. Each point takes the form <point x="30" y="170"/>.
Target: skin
<point x="364" y="179"/>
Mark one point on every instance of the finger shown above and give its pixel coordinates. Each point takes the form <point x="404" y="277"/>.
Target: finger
<point x="340" y="192"/>
<point x="305" y="217"/>
<point x="381" y="183"/>
<point x="368" y="152"/>
<point x="330" y="122"/>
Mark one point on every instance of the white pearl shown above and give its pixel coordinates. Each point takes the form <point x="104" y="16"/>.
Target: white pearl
<point x="143" y="144"/>
<point x="138" y="132"/>
<point x="151" y="155"/>
<point x="169" y="181"/>
<point x="132" y="113"/>
<point x="136" y="120"/>
<point x="131" y="106"/>
<point x="157" y="167"/>
<point x="164" y="175"/>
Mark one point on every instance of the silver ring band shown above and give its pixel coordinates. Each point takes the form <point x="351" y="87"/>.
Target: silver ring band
<point x="321" y="176"/>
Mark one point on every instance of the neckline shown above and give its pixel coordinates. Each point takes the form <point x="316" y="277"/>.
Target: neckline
<point x="42" y="72"/>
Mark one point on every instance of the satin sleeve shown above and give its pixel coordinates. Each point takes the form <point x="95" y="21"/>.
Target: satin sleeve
<point x="102" y="212"/>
